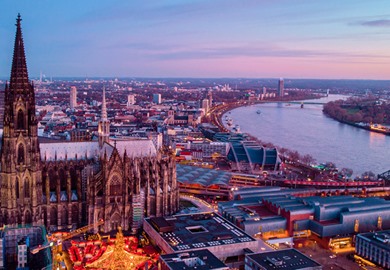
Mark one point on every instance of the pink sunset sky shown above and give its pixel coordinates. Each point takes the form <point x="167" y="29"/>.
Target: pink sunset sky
<point x="331" y="39"/>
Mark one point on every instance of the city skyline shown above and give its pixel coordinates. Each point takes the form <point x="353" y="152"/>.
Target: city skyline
<point x="254" y="39"/>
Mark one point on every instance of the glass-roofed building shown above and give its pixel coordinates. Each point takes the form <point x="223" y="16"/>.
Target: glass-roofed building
<point x="246" y="155"/>
<point x="251" y="157"/>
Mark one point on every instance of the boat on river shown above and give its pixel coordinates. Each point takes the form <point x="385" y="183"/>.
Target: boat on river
<point x="380" y="129"/>
<point x="370" y="127"/>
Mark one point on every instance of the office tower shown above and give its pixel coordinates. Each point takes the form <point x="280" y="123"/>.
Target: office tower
<point x="205" y="105"/>
<point x="281" y="88"/>
<point x="130" y="100"/>
<point x="157" y="98"/>
<point x="73" y="97"/>
<point x="210" y="95"/>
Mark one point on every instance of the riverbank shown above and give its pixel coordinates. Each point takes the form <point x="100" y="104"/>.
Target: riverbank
<point x="222" y="110"/>
<point x="309" y="132"/>
<point x="366" y="113"/>
<point x="367" y="127"/>
<point x="217" y="112"/>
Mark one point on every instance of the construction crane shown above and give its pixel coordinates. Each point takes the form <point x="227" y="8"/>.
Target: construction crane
<point x="55" y="243"/>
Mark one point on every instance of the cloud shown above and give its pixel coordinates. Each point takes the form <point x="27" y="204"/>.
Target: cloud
<point x="254" y="51"/>
<point x="376" y="23"/>
<point x="159" y="12"/>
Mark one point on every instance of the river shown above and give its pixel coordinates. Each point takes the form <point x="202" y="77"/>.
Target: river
<point x="308" y="131"/>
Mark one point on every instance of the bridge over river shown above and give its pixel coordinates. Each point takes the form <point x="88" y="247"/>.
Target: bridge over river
<point x="301" y="102"/>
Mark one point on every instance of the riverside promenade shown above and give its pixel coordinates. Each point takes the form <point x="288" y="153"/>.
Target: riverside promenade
<point x="216" y="113"/>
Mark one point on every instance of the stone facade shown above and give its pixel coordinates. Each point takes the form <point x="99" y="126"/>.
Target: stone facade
<point x="68" y="184"/>
<point x="127" y="189"/>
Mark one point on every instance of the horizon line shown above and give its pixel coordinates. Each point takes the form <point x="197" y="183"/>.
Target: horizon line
<point x="189" y="77"/>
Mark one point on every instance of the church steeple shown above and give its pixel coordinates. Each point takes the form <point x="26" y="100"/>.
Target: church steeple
<point x="104" y="124"/>
<point x="19" y="74"/>
<point x="20" y="173"/>
<point x="19" y="91"/>
<point x="104" y="107"/>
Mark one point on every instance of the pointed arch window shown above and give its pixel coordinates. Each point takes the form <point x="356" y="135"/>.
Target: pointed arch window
<point x="20" y="123"/>
<point x="44" y="181"/>
<point x="17" y="188"/>
<point x="115" y="186"/>
<point x="75" y="214"/>
<point x="52" y="180"/>
<point x="26" y="188"/>
<point x="73" y="177"/>
<point x="27" y="217"/>
<point x="64" y="216"/>
<point x="63" y="179"/>
<point x="20" y="154"/>
<point x="53" y="216"/>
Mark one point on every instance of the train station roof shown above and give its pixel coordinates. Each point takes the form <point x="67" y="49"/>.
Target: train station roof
<point x="203" y="176"/>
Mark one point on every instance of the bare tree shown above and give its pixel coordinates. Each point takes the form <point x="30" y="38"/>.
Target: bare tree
<point x="308" y="159"/>
<point x="369" y="175"/>
<point x="347" y="172"/>
<point x="293" y="155"/>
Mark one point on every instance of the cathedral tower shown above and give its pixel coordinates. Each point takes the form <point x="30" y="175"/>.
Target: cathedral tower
<point x="104" y="124"/>
<point x="20" y="174"/>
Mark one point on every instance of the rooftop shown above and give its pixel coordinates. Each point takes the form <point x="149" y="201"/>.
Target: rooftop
<point x="381" y="238"/>
<point x="201" y="231"/>
<point x="61" y="150"/>
<point x="290" y="259"/>
<point x="202" y="176"/>
<point x="198" y="259"/>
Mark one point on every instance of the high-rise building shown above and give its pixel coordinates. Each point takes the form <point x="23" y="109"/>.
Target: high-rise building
<point x="264" y="91"/>
<point x="281" y="88"/>
<point x="73" y="97"/>
<point x="210" y="95"/>
<point x="63" y="184"/>
<point x="205" y="105"/>
<point x="130" y="100"/>
<point x="157" y="98"/>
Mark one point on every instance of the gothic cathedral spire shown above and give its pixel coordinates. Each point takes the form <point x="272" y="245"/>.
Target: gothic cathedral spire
<point x="19" y="75"/>
<point x="104" y="124"/>
<point x="20" y="174"/>
<point x="104" y="106"/>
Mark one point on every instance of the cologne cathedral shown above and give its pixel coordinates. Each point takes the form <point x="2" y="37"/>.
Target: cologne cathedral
<point x="63" y="184"/>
